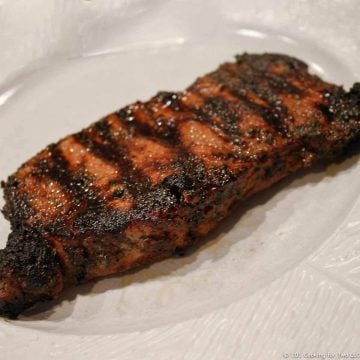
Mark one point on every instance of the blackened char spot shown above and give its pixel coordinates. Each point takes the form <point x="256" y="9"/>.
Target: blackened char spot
<point x="192" y="167"/>
<point x="179" y="252"/>
<point x="181" y="181"/>
<point x="177" y="184"/>
<point x="192" y="176"/>
<point x="352" y="101"/>
<point x="118" y="193"/>
<point x="326" y="111"/>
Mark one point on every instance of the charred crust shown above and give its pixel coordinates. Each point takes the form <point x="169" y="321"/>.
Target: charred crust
<point x="30" y="257"/>
<point x="17" y="207"/>
<point x="101" y="220"/>
<point x="31" y="261"/>
<point x="261" y="62"/>
<point x="59" y="228"/>
<point x="180" y="181"/>
<point x="160" y="199"/>
<point x="343" y="106"/>
<point x="220" y="177"/>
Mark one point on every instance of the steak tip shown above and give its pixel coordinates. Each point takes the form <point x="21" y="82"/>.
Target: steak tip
<point x="29" y="272"/>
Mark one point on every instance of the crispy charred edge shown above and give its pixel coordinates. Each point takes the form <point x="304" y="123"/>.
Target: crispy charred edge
<point x="17" y="206"/>
<point x="343" y="117"/>
<point x="262" y="61"/>
<point x="344" y="106"/>
<point x="29" y="272"/>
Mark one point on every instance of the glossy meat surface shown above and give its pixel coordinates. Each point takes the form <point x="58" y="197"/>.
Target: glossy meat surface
<point x="156" y="176"/>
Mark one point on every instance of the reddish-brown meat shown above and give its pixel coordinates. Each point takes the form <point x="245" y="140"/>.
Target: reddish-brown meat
<point x="154" y="177"/>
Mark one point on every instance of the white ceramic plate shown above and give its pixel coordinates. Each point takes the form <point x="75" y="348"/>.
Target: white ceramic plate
<point x="275" y="278"/>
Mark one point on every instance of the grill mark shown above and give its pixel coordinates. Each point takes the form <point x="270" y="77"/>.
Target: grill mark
<point x="228" y="130"/>
<point x="275" y="114"/>
<point x="101" y="219"/>
<point x="164" y="129"/>
<point x="128" y="117"/>
<point x="83" y="199"/>
<point x="76" y="186"/>
<point x="111" y="151"/>
<point x="269" y="90"/>
<point x="189" y="169"/>
<point x="175" y="108"/>
<point x="204" y="114"/>
<point x="187" y="164"/>
<point x="190" y="160"/>
<point x="220" y="108"/>
<point x="166" y="126"/>
<point x="205" y="119"/>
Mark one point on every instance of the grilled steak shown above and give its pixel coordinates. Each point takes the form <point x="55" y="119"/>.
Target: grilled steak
<point x="156" y="176"/>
